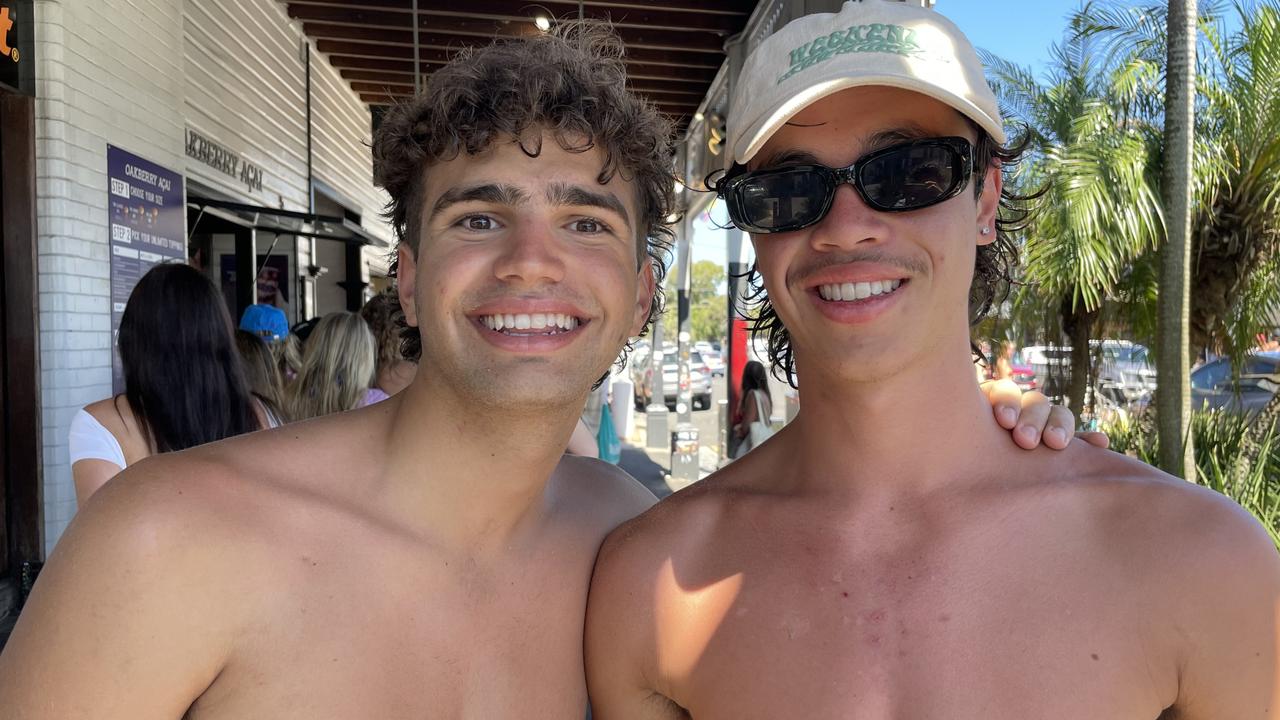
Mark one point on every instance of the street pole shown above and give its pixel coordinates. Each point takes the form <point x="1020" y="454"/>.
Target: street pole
<point x="684" y="439"/>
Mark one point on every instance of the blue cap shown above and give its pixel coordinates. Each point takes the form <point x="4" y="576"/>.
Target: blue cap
<point x="265" y="321"/>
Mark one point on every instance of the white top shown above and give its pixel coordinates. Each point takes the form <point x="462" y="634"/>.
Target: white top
<point x="89" y="440"/>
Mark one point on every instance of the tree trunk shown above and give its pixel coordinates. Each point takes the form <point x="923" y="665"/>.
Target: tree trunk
<point x="1173" y="401"/>
<point x="1078" y="323"/>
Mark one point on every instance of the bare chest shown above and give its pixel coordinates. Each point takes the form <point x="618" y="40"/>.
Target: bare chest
<point x="826" y="636"/>
<point x="399" y="636"/>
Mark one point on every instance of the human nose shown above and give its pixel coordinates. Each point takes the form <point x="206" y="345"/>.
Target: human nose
<point x="530" y="255"/>
<point x="848" y="223"/>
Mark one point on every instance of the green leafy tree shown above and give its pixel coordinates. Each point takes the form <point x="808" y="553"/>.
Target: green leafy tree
<point x="707" y="317"/>
<point x="1090" y="158"/>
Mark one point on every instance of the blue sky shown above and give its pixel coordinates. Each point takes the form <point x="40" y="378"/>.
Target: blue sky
<point x="1017" y="30"/>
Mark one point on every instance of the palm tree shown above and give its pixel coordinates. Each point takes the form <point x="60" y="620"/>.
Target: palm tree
<point x="1090" y="155"/>
<point x="1235" y="256"/>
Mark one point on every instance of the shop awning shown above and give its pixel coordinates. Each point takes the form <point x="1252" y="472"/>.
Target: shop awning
<point x="674" y="47"/>
<point x="286" y="222"/>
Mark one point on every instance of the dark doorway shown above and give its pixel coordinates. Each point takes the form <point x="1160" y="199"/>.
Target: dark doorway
<point x="21" y="473"/>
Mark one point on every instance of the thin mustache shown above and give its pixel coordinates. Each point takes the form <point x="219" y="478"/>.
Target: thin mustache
<point x="911" y="266"/>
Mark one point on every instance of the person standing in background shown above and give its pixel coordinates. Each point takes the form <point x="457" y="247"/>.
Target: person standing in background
<point x="184" y="385"/>
<point x="337" y="369"/>
<point x="261" y="373"/>
<point x="393" y="373"/>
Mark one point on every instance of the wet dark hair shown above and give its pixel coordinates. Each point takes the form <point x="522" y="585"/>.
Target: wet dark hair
<point x="992" y="270"/>
<point x="182" y="375"/>
<point x="571" y="83"/>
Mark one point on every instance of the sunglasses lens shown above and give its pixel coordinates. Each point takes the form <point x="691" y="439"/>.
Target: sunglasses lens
<point x="779" y="200"/>
<point x="911" y="177"/>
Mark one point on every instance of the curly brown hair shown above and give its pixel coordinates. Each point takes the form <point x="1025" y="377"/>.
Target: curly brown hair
<point x="992" y="270"/>
<point x="570" y="83"/>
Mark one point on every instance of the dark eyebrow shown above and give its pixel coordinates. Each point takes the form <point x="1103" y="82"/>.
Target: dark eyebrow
<point x="877" y="140"/>
<point x="895" y="135"/>
<point x="566" y="194"/>
<point x="789" y="157"/>
<point x="490" y="193"/>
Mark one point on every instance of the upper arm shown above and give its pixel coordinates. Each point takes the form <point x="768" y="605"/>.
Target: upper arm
<point x="618" y="645"/>
<point x="91" y="474"/>
<point x="1231" y="626"/>
<point x="122" y="622"/>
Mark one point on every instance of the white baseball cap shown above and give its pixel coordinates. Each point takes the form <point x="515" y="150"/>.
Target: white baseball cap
<point x="869" y="42"/>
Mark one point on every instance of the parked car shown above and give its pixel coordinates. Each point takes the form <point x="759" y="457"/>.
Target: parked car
<point x="1126" y="375"/>
<point x="1051" y="365"/>
<point x="699" y="379"/>
<point x="714" y="362"/>
<point x="1215" y="386"/>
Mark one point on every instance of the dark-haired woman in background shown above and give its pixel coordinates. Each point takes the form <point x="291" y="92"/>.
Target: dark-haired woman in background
<point x="184" y="385"/>
<point x="755" y="405"/>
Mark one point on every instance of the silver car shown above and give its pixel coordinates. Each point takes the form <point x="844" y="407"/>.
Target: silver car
<point x="699" y="379"/>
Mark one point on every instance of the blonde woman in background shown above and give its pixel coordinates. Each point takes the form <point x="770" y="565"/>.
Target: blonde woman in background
<point x="394" y="373"/>
<point x="337" y="368"/>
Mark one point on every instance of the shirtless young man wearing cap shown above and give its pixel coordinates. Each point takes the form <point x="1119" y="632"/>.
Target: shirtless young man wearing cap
<point x="428" y="556"/>
<point x="868" y="562"/>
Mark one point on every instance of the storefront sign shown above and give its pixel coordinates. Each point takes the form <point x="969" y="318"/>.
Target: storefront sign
<point x="148" y="227"/>
<point x="17" y="46"/>
<point x="223" y="160"/>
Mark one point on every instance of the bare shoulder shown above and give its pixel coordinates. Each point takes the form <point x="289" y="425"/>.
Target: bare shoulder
<point x="1130" y="497"/>
<point x="601" y="491"/>
<point x="681" y="526"/>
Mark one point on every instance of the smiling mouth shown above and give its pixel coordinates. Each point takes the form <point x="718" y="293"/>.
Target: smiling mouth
<point x="850" y="292"/>
<point x="526" y="324"/>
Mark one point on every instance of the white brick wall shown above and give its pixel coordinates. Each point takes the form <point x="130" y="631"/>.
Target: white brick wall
<point x="110" y="72"/>
<point x="135" y="74"/>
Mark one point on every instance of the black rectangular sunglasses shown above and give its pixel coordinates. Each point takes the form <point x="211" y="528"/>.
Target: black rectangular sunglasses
<point x="907" y="176"/>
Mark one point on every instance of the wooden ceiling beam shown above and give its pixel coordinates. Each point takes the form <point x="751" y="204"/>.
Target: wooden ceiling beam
<point x="741" y="9"/>
<point x="689" y="81"/>
<point x="688" y="91"/>
<point x="457" y="30"/>
<point x="374" y="48"/>
<point x="365" y="55"/>
<point x="380" y="95"/>
<point x="654" y="95"/>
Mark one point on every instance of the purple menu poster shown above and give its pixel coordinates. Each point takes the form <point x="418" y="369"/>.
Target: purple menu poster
<point x="148" y="227"/>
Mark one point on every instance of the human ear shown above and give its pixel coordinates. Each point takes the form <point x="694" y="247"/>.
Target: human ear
<point x="406" y="283"/>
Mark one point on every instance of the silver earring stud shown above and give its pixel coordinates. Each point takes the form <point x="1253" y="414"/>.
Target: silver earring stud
<point x="986" y="231"/>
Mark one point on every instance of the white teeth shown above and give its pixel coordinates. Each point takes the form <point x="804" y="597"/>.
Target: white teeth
<point x="847" y="292"/>
<point x="530" y="321"/>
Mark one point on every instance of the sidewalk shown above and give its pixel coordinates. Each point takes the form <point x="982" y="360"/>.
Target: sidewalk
<point x="652" y="466"/>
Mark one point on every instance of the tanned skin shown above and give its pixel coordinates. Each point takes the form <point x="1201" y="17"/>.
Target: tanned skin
<point x="428" y="556"/>
<point x="846" y="569"/>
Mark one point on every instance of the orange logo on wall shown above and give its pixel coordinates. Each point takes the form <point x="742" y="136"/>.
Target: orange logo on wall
<point x="6" y="24"/>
